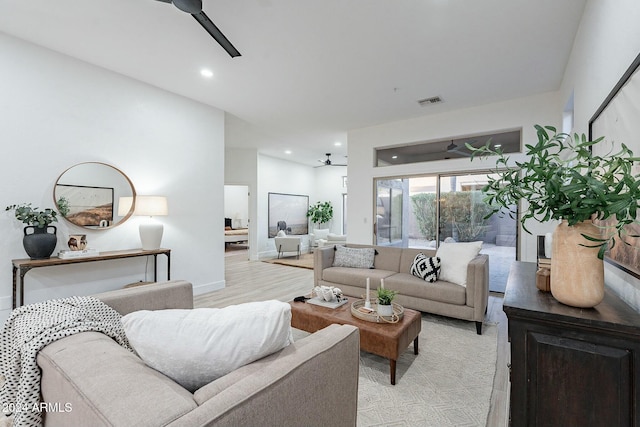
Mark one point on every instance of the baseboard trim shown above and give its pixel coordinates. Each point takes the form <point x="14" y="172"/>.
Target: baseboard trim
<point x="208" y="287"/>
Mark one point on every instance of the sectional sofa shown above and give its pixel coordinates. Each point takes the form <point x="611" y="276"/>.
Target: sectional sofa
<point x="393" y="264"/>
<point x="104" y="384"/>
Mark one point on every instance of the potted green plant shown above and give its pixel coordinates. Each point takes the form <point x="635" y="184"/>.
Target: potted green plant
<point x="40" y="243"/>
<point x="562" y="179"/>
<point x="320" y="213"/>
<point x="63" y="206"/>
<point x="385" y="297"/>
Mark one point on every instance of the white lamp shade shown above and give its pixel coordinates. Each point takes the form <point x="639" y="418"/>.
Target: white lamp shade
<point x="124" y="205"/>
<point x="151" y="206"/>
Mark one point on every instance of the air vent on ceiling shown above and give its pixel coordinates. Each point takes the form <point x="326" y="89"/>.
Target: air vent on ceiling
<point x="430" y="101"/>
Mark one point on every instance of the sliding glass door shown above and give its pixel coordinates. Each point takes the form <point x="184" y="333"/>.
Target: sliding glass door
<point x="390" y="210"/>
<point x="423" y="212"/>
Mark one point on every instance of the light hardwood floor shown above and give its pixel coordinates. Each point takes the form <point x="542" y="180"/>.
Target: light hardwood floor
<point x="248" y="281"/>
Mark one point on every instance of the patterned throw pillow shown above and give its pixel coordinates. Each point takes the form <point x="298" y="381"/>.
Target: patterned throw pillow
<point x="426" y="268"/>
<point x="354" y="257"/>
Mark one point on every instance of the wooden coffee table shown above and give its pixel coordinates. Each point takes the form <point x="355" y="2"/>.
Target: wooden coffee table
<point x="388" y="340"/>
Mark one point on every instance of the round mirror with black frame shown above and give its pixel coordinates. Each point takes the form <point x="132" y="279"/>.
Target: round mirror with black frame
<point x="88" y="194"/>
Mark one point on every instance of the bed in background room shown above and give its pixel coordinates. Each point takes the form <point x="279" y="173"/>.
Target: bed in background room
<point x="234" y="235"/>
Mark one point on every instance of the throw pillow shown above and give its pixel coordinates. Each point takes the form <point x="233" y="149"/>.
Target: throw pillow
<point x="354" y="257"/>
<point x="321" y="233"/>
<point x="194" y="347"/>
<point x="454" y="258"/>
<point x="426" y="268"/>
<point x="281" y="233"/>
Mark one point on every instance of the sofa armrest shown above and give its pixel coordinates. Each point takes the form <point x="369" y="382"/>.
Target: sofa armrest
<point x="154" y="296"/>
<point x="478" y="285"/>
<point x="315" y="384"/>
<point x="322" y="258"/>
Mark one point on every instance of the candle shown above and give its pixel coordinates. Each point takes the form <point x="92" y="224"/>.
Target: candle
<point x="367" y="304"/>
<point x="382" y="283"/>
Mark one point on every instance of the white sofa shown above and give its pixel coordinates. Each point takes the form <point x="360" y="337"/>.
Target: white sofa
<point x="323" y="236"/>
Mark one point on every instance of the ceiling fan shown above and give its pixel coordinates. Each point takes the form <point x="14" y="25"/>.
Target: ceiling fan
<point x="453" y="148"/>
<point x="194" y="7"/>
<point x="328" y="162"/>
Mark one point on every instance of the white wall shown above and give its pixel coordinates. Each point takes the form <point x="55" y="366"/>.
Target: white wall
<point x="55" y="112"/>
<point x="518" y="113"/>
<point x="607" y="42"/>
<point x="278" y="176"/>
<point x="328" y="188"/>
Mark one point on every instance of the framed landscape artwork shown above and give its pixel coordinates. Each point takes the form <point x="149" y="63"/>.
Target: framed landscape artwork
<point x="617" y="120"/>
<point x="288" y="212"/>
<point x="88" y="206"/>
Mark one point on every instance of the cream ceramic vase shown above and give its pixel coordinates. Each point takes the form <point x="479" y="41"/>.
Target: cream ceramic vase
<point x="385" y="310"/>
<point x="577" y="274"/>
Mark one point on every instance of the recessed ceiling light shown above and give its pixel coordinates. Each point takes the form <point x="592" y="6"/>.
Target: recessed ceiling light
<point x="205" y="72"/>
<point x="394" y="157"/>
<point x="287" y="151"/>
<point x="337" y="143"/>
<point x="498" y="145"/>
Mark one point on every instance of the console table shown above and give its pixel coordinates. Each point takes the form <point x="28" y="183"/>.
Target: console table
<point x="571" y="366"/>
<point x="22" y="266"/>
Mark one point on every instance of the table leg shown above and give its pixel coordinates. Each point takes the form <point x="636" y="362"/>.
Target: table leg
<point x="415" y="346"/>
<point x="392" y="371"/>
<point x="168" y="266"/>
<point x="21" y="274"/>
<point x="15" y="285"/>
<point x="155" y="267"/>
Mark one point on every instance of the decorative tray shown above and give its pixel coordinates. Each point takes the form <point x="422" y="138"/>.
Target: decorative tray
<point x="358" y="310"/>
<point x="328" y="304"/>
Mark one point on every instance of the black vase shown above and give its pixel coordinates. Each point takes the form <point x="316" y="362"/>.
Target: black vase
<point x="40" y="244"/>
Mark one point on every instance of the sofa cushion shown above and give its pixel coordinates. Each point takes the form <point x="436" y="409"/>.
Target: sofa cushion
<point x="321" y="233"/>
<point x="354" y="257"/>
<point x="355" y="276"/>
<point x="426" y="268"/>
<point x="336" y="237"/>
<point x="410" y="285"/>
<point x="194" y="347"/>
<point x="106" y="385"/>
<point x="454" y="259"/>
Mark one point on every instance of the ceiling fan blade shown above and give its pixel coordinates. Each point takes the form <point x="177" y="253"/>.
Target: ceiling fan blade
<point x="211" y="28"/>
<point x="189" y="6"/>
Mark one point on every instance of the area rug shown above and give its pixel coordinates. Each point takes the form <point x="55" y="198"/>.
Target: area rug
<point x="305" y="261"/>
<point x="448" y="384"/>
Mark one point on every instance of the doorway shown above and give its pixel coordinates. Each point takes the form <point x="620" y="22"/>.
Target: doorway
<point x="236" y="218"/>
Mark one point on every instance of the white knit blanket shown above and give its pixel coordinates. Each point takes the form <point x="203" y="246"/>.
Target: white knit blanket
<point x="30" y="328"/>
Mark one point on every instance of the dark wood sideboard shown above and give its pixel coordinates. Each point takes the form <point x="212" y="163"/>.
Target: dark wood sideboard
<point x="571" y="366"/>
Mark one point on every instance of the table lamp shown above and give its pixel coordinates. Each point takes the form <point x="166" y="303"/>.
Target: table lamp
<point x="151" y="230"/>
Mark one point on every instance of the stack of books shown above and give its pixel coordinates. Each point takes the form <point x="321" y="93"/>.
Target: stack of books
<point x="544" y="263"/>
<point x="89" y="252"/>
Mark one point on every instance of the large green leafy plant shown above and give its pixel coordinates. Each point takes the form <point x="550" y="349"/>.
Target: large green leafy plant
<point x="563" y="180"/>
<point x="33" y="216"/>
<point x="320" y="213"/>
